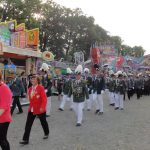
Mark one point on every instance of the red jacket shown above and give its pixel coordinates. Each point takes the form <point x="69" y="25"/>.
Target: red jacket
<point x="5" y="102"/>
<point x="38" y="100"/>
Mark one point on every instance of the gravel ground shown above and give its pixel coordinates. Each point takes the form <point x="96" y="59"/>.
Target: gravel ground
<point x="114" y="130"/>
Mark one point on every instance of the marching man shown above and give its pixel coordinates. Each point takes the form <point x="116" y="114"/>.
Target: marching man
<point x="66" y="88"/>
<point x="99" y="85"/>
<point x="120" y="88"/>
<point x="80" y="92"/>
<point x="89" y="82"/>
<point x="111" y="88"/>
<point x="46" y="82"/>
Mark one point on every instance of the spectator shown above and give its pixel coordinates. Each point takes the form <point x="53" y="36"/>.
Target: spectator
<point x="5" y="116"/>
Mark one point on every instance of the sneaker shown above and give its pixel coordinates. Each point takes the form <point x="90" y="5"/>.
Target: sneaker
<point x="71" y="109"/>
<point x="100" y="113"/>
<point x="112" y="104"/>
<point x="97" y="111"/>
<point x="24" y="142"/>
<point x="45" y="136"/>
<point x="60" y="109"/>
<point x="116" y="108"/>
<point x="20" y="112"/>
<point x="78" y="124"/>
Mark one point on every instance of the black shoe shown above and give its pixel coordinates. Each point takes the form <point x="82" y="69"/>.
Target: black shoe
<point x="88" y="109"/>
<point x="60" y="109"/>
<point x="116" y="108"/>
<point x="97" y="111"/>
<point x="71" y="109"/>
<point x="24" y="142"/>
<point x="100" y="113"/>
<point x="45" y="137"/>
<point x="78" y="124"/>
<point x="112" y="104"/>
<point x="20" y="112"/>
<point x="121" y="109"/>
<point x="48" y="115"/>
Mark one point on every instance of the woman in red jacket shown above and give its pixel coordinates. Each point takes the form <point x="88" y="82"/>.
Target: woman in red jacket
<point x="37" y="107"/>
<point x="5" y="115"/>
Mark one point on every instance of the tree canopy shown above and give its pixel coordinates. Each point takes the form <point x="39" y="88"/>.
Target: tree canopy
<point x="62" y="30"/>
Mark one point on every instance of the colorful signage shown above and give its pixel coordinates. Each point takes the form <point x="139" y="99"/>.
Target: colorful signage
<point x="15" y="35"/>
<point x="48" y="56"/>
<point x="32" y="38"/>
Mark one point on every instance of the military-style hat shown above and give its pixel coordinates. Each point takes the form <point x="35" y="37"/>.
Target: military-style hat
<point x="124" y="74"/>
<point x="96" y="66"/>
<point x="86" y="70"/>
<point x="45" y="67"/>
<point x="79" y="69"/>
<point x="69" y="71"/>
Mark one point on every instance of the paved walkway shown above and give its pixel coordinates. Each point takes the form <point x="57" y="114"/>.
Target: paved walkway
<point x="114" y="130"/>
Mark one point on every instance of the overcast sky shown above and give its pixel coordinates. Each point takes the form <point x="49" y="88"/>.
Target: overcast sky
<point x="129" y="19"/>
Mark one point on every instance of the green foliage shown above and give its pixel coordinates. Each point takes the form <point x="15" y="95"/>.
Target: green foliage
<point x="62" y="30"/>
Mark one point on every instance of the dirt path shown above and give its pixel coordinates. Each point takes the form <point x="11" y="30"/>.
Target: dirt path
<point x="114" y="130"/>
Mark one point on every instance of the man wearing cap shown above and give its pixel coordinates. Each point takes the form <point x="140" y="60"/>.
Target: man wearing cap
<point x="99" y="86"/>
<point x="47" y="84"/>
<point x="80" y="92"/>
<point x="111" y="87"/>
<point x="17" y="89"/>
<point x="139" y="85"/>
<point x="89" y="82"/>
<point x="130" y="86"/>
<point x="120" y="88"/>
<point x="66" y="88"/>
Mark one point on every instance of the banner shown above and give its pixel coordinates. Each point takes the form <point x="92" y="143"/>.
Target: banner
<point x="15" y="39"/>
<point x="22" y="41"/>
<point x="6" y="29"/>
<point x="15" y="35"/>
<point x="33" y="38"/>
<point x="20" y="27"/>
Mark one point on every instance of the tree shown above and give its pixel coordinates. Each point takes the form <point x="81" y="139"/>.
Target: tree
<point x="138" y="51"/>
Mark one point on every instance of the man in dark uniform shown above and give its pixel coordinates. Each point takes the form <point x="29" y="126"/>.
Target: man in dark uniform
<point x="89" y="82"/>
<point x="130" y="86"/>
<point x="120" y="89"/>
<point x="65" y="90"/>
<point x="139" y="85"/>
<point x="99" y="86"/>
<point x="80" y="92"/>
<point x="111" y="88"/>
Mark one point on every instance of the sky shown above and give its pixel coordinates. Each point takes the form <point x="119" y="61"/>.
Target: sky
<point x="129" y="19"/>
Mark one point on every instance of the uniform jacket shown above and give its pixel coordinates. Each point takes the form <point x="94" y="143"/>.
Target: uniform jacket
<point x="89" y="82"/>
<point x="99" y="85"/>
<point x="37" y="100"/>
<point x="139" y="83"/>
<point x="111" y="85"/>
<point x="66" y="86"/>
<point x="130" y="84"/>
<point x="79" y="90"/>
<point x="46" y="82"/>
<point x="120" y="86"/>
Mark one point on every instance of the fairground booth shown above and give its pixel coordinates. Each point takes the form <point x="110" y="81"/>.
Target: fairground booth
<point x="18" y="48"/>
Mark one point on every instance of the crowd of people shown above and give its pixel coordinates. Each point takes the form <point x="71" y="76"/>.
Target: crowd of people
<point x="81" y="90"/>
